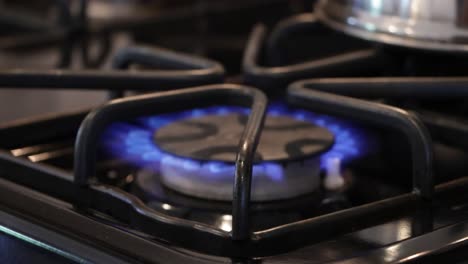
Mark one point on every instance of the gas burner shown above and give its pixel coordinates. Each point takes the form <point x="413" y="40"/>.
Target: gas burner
<point x="294" y="147"/>
<point x="213" y="138"/>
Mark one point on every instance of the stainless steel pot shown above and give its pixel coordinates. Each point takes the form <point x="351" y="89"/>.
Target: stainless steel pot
<point x="425" y="24"/>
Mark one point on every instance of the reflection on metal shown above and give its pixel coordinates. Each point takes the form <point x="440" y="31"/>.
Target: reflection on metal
<point x="423" y="24"/>
<point x="432" y="243"/>
<point x="41" y="157"/>
<point x="166" y="206"/>
<point x="391" y="253"/>
<point x="225" y="223"/>
<point x="388" y="233"/>
<point x="40" y="244"/>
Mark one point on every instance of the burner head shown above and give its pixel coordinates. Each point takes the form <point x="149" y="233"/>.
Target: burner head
<point x="216" y="138"/>
<point x="287" y="158"/>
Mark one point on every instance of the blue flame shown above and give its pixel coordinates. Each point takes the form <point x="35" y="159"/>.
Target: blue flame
<point x="133" y="142"/>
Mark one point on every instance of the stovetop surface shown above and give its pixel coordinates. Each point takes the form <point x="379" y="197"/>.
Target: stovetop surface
<point x="356" y="151"/>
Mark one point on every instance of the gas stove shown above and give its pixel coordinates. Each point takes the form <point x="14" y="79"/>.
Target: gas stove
<point x="247" y="132"/>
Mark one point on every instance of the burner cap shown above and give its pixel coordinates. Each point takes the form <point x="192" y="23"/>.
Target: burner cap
<point x="216" y="138"/>
<point x="204" y="152"/>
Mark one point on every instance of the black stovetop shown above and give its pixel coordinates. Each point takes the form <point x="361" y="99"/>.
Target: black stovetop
<point x="255" y="93"/>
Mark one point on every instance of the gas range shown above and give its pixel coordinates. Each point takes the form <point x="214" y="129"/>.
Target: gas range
<point x="267" y="139"/>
